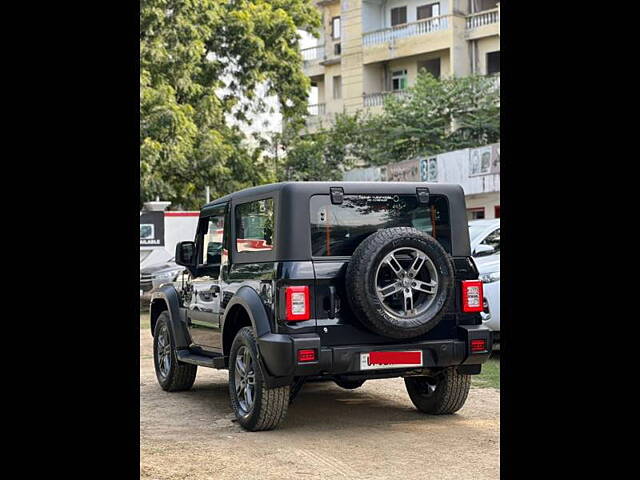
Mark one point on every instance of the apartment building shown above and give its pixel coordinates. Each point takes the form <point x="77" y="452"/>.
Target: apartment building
<point x="372" y="48"/>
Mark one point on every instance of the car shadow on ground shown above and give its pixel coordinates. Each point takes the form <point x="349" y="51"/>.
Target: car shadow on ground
<point x="320" y="405"/>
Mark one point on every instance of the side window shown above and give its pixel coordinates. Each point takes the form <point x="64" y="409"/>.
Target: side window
<point x="212" y="245"/>
<point x="493" y="240"/>
<point x="254" y="226"/>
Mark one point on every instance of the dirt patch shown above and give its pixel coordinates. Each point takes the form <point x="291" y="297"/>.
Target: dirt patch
<point x="369" y="433"/>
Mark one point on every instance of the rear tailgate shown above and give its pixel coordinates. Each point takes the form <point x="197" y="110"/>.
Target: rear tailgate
<point x="338" y="325"/>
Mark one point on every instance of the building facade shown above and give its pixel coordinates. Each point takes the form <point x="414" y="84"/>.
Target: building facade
<point x="476" y="170"/>
<point x="372" y="48"/>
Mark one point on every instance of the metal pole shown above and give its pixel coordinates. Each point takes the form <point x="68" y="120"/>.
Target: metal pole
<point x="208" y="191"/>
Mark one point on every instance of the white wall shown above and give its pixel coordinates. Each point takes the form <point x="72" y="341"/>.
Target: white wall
<point x="178" y="227"/>
<point x="454" y="167"/>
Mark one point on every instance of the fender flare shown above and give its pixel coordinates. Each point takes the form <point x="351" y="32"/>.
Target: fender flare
<point x="248" y="298"/>
<point x="178" y="324"/>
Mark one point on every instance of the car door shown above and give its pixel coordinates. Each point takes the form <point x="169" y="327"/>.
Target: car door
<point x="203" y="303"/>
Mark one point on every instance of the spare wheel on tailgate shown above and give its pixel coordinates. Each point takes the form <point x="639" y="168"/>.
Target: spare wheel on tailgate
<point x="399" y="281"/>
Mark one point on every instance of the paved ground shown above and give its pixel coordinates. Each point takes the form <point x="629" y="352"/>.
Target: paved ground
<point x="373" y="432"/>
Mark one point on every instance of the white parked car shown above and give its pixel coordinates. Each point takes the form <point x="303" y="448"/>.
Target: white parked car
<point x="485" y="247"/>
<point x="485" y="236"/>
<point x="489" y="268"/>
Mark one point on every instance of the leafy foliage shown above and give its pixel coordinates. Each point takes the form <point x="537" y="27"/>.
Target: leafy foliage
<point x="433" y="116"/>
<point x="201" y="63"/>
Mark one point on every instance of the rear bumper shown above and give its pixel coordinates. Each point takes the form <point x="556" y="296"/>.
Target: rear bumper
<point x="279" y="353"/>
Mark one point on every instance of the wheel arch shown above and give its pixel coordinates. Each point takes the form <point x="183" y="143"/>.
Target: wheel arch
<point x="166" y="298"/>
<point x="245" y="309"/>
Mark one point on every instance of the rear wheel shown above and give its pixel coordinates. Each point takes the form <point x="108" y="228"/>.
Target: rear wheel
<point x="256" y="406"/>
<point x="441" y="394"/>
<point x="172" y="374"/>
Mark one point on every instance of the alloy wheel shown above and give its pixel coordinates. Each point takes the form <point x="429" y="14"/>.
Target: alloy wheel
<point x="406" y="282"/>
<point x="245" y="378"/>
<point x="163" y="351"/>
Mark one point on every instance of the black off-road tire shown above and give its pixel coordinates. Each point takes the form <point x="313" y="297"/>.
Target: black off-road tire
<point x="449" y="396"/>
<point x="270" y="404"/>
<point x="349" y="384"/>
<point x="181" y="375"/>
<point x="361" y="278"/>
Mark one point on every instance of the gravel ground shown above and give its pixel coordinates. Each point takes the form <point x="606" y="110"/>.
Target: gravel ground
<point x="373" y="432"/>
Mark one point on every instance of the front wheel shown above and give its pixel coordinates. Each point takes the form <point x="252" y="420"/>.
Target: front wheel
<point x="256" y="406"/>
<point x="441" y="394"/>
<point x="172" y="375"/>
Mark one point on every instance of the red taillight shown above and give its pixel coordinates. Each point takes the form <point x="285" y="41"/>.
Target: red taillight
<point x="297" y="303"/>
<point x="478" y="345"/>
<point x="472" y="296"/>
<point x="307" y="355"/>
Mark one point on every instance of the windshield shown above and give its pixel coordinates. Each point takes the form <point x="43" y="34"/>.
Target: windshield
<point x="336" y="230"/>
<point x="475" y="231"/>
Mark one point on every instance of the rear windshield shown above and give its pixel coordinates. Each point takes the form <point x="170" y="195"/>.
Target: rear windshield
<point x="336" y="230"/>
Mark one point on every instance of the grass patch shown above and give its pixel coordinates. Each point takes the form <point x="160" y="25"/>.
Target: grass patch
<point x="490" y="376"/>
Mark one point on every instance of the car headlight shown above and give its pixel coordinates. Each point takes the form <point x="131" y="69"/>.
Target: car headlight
<point x="490" y="277"/>
<point x="168" y="275"/>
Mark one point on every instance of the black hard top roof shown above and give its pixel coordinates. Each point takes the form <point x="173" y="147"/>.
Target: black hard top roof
<point x="349" y="188"/>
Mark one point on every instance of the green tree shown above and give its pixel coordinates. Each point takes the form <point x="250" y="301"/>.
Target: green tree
<point x="436" y="116"/>
<point x="431" y="117"/>
<point x="326" y="154"/>
<point x="201" y="63"/>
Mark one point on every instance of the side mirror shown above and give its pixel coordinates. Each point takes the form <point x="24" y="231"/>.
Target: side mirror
<point x="186" y="254"/>
<point x="483" y="250"/>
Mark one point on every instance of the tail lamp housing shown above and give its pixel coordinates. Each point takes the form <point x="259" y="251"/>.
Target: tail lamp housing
<point x="472" y="296"/>
<point x="307" y="355"/>
<point x="297" y="304"/>
<point x="478" y="345"/>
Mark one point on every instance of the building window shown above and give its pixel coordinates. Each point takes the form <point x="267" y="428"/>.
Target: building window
<point x="496" y="210"/>
<point x="431" y="66"/>
<point x="335" y="28"/>
<point x="493" y="63"/>
<point x="337" y="87"/>
<point x="399" y="80"/>
<point x="482" y="5"/>
<point x="427" y="11"/>
<point x="398" y="16"/>
<point x="475" y="213"/>
<point x="337" y="50"/>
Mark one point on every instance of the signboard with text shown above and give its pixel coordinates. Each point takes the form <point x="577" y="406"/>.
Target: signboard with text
<point x="152" y="229"/>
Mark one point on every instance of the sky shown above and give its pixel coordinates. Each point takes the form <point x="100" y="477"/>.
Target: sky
<point x="272" y="122"/>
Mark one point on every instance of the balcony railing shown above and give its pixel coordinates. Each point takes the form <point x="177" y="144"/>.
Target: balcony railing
<point x="483" y="18"/>
<point x="422" y="27"/>
<point x="317" y="109"/>
<point x="312" y="54"/>
<point x="377" y="99"/>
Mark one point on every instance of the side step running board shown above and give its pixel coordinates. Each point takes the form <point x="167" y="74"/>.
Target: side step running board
<point x="187" y="356"/>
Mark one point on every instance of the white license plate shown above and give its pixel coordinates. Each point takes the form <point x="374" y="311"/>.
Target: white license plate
<point x="379" y="360"/>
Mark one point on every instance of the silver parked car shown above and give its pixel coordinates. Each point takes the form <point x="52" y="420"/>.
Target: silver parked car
<point x="485" y="245"/>
<point x="153" y="276"/>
